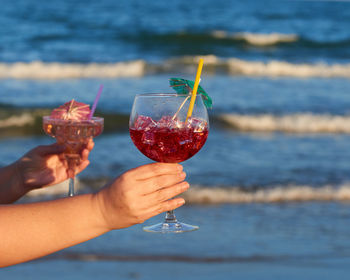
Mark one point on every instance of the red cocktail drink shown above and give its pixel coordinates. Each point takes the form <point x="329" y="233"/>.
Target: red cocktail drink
<point x="169" y="140"/>
<point x="161" y="129"/>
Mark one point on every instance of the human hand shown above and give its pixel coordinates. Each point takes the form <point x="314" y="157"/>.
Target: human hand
<point x="140" y="194"/>
<point x="46" y="165"/>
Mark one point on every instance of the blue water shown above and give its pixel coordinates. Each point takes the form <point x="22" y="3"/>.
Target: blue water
<point x="105" y="31"/>
<point x="269" y="240"/>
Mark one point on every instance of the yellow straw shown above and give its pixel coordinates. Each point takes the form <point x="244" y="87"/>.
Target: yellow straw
<point x="195" y="88"/>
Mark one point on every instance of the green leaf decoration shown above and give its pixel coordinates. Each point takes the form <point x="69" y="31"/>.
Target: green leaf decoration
<point x="182" y="86"/>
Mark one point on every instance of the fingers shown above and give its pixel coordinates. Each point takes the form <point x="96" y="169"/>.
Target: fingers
<point x="85" y="153"/>
<point x="82" y="166"/>
<point x="165" y="206"/>
<point x="161" y="201"/>
<point x="159" y="182"/>
<point x="154" y="169"/>
<point x="167" y="193"/>
<point x="55" y="148"/>
<point x="44" y="150"/>
<point x="84" y="162"/>
<point x="90" y="145"/>
<point x="141" y="193"/>
<point x="170" y="205"/>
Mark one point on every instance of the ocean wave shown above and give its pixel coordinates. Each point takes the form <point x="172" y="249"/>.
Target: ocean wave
<point x="41" y="70"/>
<point x="296" y="123"/>
<point x="276" y="68"/>
<point x="17" y="121"/>
<point x="278" y="194"/>
<point x="273" y="68"/>
<point x="29" y="121"/>
<point x="274" y="38"/>
<point x="214" y="38"/>
<point x="213" y="64"/>
<point x="257" y="39"/>
<point x="198" y="194"/>
<point x="59" y="190"/>
<point x="221" y="38"/>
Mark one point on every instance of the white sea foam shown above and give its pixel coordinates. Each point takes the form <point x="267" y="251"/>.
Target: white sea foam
<point x="17" y="120"/>
<point x="41" y="70"/>
<point x="234" y="194"/>
<point x="273" y="68"/>
<point x="281" y="68"/>
<point x="231" y="66"/>
<point x="217" y="195"/>
<point x="258" y="39"/>
<point x="60" y="189"/>
<point x="296" y="123"/>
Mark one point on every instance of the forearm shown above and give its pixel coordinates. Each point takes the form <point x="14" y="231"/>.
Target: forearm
<point x="30" y="231"/>
<point x="10" y="190"/>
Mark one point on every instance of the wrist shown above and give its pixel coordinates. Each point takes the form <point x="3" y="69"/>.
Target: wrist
<point x="98" y="205"/>
<point x="11" y="188"/>
<point x="18" y="186"/>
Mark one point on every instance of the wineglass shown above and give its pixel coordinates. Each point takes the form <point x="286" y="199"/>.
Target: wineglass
<point x="74" y="135"/>
<point x="161" y="130"/>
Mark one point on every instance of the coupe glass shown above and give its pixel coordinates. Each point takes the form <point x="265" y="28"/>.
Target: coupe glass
<point x="159" y="129"/>
<point x="74" y="135"/>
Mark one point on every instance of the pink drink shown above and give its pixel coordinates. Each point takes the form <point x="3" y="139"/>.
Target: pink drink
<point x="74" y="134"/>
<point x="73" y="126"/>
<point x="169" y="140"/>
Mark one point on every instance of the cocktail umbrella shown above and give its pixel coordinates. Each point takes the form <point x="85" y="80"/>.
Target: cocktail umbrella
<point x="182" y="86"/>
<point x="72" y="110"/>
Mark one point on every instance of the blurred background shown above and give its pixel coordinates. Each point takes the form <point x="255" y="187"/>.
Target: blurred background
<point x="270" y="189"/>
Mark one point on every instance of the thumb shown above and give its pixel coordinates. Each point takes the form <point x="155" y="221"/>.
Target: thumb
<point x="44" y="150"/>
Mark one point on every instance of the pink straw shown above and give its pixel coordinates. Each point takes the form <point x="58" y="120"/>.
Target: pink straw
<point x="95" y="102"/>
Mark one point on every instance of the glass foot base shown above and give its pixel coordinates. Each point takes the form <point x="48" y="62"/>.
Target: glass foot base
<point x="173" y="227"/>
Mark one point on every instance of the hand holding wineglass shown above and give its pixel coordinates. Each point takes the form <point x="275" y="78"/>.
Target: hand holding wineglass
<point x="167" y="128"/>
<point x="142" y="193"/>
<point x="45" y="165"/>
<point x="73" y="126"/>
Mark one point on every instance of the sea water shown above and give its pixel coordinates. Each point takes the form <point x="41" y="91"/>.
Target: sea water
<point x="270" y="189"/>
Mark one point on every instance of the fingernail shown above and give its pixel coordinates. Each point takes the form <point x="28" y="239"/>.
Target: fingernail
<point x="179" y="167"/>
<point x="181" y="202"/>
<point x="183" y="175"/>
<point x="185" y="186"/>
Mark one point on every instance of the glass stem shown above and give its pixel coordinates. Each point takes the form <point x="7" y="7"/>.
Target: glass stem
<point x="170" y="217"/>
<point x="71" y="186"/>
<point x="72" y="163"/>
